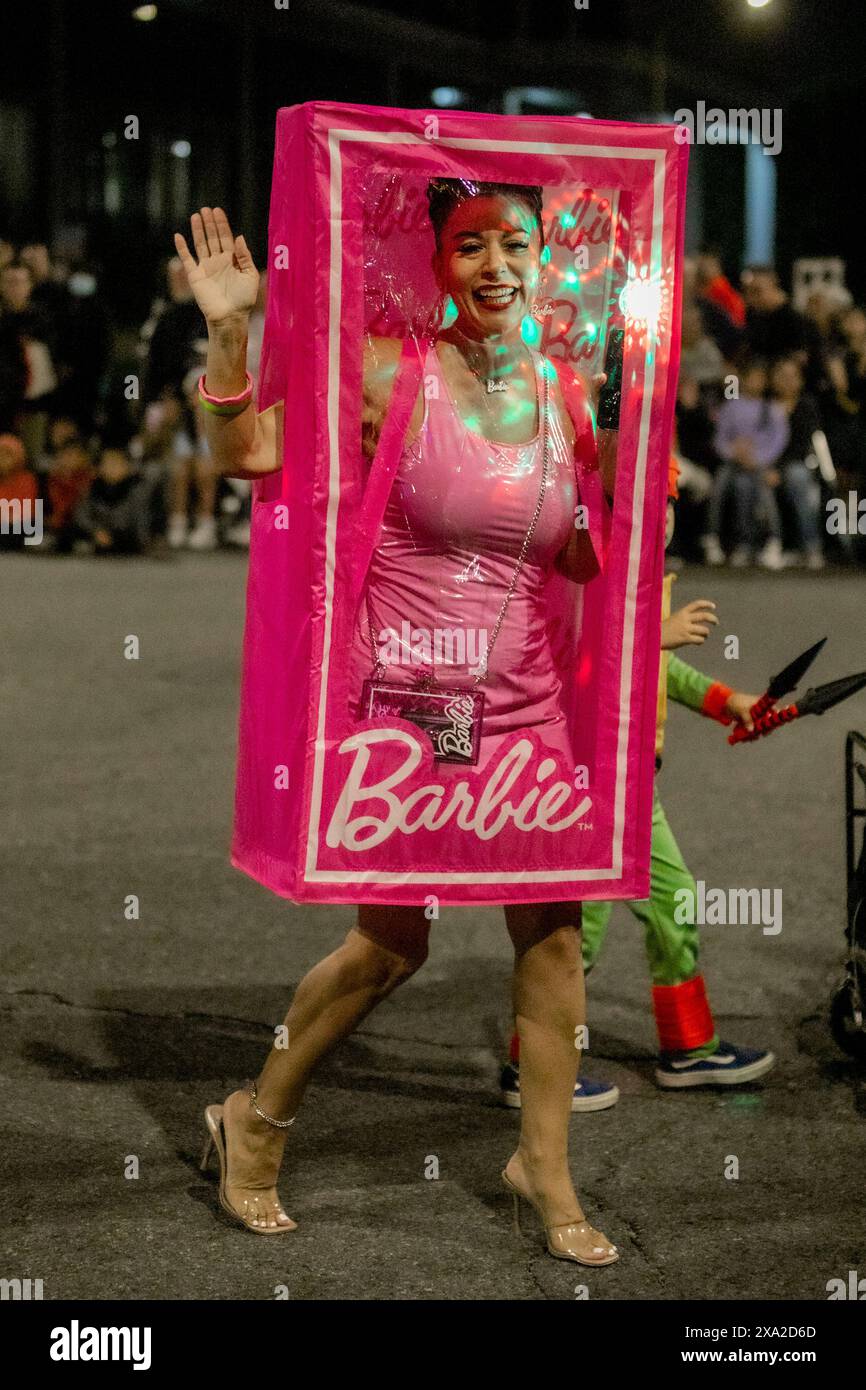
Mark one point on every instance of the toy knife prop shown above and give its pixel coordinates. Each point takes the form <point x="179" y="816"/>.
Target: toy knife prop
<point x="815" y="701"/>
<point x="785" y="682"/>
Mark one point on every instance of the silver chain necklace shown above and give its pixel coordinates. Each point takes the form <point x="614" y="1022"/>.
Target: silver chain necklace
<point x="489" y="381"/>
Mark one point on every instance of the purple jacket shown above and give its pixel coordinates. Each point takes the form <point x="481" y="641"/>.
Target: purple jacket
<point x="765" y="423"/>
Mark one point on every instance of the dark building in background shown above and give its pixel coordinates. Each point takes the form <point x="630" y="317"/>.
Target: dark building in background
<point x="115" y="124"/>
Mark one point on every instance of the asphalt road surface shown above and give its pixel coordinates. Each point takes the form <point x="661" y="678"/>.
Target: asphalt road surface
<point x="117" y="780"/>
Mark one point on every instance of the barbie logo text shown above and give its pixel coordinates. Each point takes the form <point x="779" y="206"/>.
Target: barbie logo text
<point x="369" y="813"/>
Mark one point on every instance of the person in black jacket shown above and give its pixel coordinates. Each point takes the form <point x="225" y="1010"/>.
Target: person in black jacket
<point x="775" y="329"/>
<point x="176" y="336"/>
<point x="798" y="483"/>
<point x="115" y="514"/>
<point x="13" y="374"/>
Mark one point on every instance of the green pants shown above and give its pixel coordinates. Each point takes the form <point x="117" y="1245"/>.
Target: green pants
<point x="671" y="947"/>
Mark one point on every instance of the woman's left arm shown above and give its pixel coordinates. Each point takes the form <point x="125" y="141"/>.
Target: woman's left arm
<point x="592" y="454"/>
<point x="606" y="443"/>
<point x="602" y="447"/>
<point x="577" y="560"/>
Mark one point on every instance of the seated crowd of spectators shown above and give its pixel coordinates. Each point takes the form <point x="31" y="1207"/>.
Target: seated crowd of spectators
<point x="113" y="452"/>
<point x="770" y="418"/>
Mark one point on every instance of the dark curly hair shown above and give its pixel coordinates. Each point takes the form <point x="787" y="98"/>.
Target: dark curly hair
<point x="444" y="195"/>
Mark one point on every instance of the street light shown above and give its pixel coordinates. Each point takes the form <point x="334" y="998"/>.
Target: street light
<point x="447" y="96"/>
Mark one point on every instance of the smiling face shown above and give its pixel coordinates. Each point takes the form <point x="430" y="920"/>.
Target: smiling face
<point x="489" y="262"/>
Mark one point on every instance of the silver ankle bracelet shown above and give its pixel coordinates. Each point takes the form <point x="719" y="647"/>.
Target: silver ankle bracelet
<point x="278" y="1124"/>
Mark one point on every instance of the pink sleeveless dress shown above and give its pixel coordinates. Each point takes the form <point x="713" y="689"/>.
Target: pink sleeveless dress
<point x="455" y="522"/>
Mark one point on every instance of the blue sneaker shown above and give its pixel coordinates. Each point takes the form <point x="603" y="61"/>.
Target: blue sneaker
<point x="588" y="1095"/>
<point x="730" y="1066"/>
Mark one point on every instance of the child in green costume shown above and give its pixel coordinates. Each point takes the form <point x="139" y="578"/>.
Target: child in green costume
<point x="691" y="1053"/>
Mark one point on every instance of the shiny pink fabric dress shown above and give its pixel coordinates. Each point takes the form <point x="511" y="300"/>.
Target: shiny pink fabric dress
<point x="456" y="519"/>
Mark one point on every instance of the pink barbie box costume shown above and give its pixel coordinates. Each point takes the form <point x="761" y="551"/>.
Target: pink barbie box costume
<point x="504" y="750"/>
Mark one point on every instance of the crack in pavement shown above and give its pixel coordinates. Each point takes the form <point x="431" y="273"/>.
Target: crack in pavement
<point x="637" y="1241"/>
<point x="220" y="1019"/>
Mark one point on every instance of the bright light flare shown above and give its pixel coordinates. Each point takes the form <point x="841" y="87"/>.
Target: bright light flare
<point x="641" y="301"/>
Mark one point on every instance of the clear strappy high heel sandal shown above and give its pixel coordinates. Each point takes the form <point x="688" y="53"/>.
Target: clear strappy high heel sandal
<point x="576" y="1240"/>
<point x="215" y="1141"/>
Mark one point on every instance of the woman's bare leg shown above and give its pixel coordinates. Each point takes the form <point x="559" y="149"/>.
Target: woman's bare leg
<point x="549" y="1006"/>
<point x="387" y="946"/>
